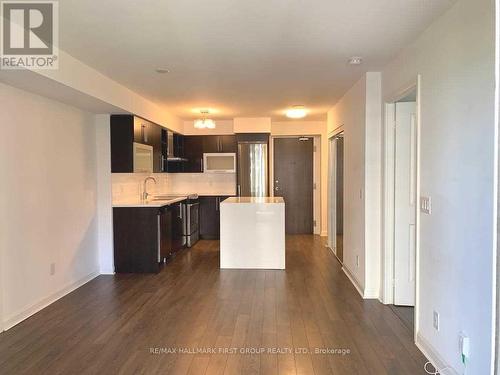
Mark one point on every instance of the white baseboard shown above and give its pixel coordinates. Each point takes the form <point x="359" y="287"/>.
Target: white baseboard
<point x="364" y="293"/>
<point x="354" y="282"/>
<point x="433" y="356"/>
<point x="26" y="313"/>
<point x="371" y="294"/>
<point x="332" y="250"/>
<point x="324" y="234"/>
<point x="107" y="271"/>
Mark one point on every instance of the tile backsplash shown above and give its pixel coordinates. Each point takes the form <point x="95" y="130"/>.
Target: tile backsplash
<point x="128" y="186"/>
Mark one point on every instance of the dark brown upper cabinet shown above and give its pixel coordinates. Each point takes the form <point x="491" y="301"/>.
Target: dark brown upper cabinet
<point x="211" y="143"/>
<point x="186" y="155"/>
<point x="127" y="129"/>
<point x="228" y="143"/>
<point x="194" y="146"/>
<point x="219" y="143"/>
<point x="154" y="139"/>
<point x="193" y="152"/>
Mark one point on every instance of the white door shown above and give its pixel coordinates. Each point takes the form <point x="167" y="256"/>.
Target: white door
<point x="405" y="204"/>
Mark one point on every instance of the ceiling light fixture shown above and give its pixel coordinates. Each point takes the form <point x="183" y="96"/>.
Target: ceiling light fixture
<point x="297" y="111"/>
<point x="355" y="60"/>
<point x="204" y="122"/>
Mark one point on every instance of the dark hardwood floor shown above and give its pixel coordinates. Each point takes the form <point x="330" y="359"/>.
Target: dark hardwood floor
<point x="406" y="314"/>
<point x="340" y="247"/>
<point x="113" y="323"/>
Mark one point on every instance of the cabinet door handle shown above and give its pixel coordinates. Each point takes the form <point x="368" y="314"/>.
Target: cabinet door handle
<point x="158" y="236"/>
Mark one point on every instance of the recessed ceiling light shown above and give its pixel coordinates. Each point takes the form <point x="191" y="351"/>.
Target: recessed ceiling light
<point x="297" y="111"/>
<point x="162" y="70"/>
<point x="355" y="60"/>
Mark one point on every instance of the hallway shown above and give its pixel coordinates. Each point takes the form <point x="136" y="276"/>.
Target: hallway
<point x="127" y="323"/>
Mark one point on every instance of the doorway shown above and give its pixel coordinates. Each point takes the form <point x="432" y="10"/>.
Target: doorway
<point x="336" y="195"/>
<point x="293" y="180"/>
<point x="400" y="206"/>
<point x="405" y="203"/>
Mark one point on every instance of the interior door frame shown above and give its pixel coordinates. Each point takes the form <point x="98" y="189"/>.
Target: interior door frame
<point x="316" y="174"/>
<point x="332" y="183"/>
<point x="332" y="187"/>
<point x="388" y="196"/>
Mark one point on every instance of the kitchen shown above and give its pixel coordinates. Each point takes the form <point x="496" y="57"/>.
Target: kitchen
<point x="168" y="188"/>
<point x="102" y="270"/>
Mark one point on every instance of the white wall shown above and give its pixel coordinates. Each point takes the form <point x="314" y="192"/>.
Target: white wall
<point x="455" y="58"/>
<point x="252" y="124"/>
<point x="104" y="195"/>
<point x="373" y="180"/>
<point x="47" y="201"/>
<point x="358" y="113"/>
<point x="78" y="84"/>
<point x="221" y="127"/>
<point x="497" y="122"/>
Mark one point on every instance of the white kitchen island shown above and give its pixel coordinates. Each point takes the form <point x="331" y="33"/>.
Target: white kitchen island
<point x="252" y="233"/>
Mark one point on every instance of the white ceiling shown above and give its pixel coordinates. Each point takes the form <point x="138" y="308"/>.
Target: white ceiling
<point x="241" y="57"/>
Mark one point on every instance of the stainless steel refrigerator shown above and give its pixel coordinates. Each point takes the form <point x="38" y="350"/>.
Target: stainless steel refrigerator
<point x="252" y="169"/>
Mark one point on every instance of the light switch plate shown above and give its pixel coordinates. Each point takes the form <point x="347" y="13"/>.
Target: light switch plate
<point x="435" y="320"/>
<point x="426" y="205"/>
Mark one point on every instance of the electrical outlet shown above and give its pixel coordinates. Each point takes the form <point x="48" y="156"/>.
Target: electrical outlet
<point x="435" y="320"/>
<point x="426" y="205"/>
<point x="357" y="260"/>
<point x="52" y="269"/>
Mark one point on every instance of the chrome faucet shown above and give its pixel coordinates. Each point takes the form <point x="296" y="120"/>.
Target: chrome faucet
<point x="145" y="193"/>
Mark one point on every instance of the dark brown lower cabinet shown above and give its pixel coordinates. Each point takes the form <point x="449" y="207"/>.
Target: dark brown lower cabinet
<point x="144" y="237"/>
<point x="178" y="240"/>
<point x="210" y="217"/>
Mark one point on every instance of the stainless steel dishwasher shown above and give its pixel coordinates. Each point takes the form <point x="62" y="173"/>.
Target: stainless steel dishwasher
<point x="191" y="218"/>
